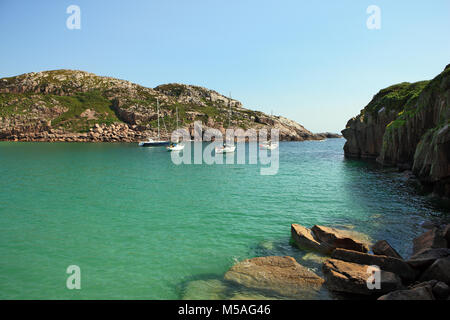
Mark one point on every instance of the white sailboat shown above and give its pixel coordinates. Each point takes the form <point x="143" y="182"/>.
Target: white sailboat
<point x="155" y="143"/>
<point x="227" y="147"/>
<point x="269" y="145"/>
<point x="175" y="146"/>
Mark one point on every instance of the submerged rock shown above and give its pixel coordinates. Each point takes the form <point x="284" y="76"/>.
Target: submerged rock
<point x="251" y="296"/>
<point x="351" y="277"/>
<point x="281" y="275"/>
<point x="312" y="257"/>
<point x="205" y="290"/>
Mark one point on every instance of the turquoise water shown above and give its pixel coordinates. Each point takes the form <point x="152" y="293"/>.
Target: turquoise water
<point x="141" y="227"/>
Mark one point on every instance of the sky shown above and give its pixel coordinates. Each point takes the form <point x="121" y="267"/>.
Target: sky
<point x="315" y="62"/>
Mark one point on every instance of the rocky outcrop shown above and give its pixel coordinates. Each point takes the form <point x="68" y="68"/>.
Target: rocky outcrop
<point x="439" y="270"/>
<point x="420" y="293"/>
<point x="407" y="125"/>
<point x="72" y="102"/>
<point x="383" y="248"/>
<point x="329" y="135"/>
<point x="304" y="238"/>
<point x="431" y="239"/>
<point x="427" y="272"/>
<point x="341" y="276"/>
<point x="282" y="275"/>
<point x="391" y="264"/>
<point x="338" y="238"/>
<point x="326" y="239"/>
<point x="426" y="257"/>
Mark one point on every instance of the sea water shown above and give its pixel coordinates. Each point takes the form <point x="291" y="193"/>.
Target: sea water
<point x="141" y="227"/>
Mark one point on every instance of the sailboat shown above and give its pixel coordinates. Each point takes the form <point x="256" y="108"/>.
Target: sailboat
<point x="227" y="147"/>
<point x="269" y="145"/>
<point x="175" y="146"/>
<point x="155" y="143"/>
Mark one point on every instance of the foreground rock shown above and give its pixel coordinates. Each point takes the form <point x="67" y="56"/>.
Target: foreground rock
<point x="439" y="270"/>
<point x="282" y="275"/>
<point x="425" y="258"/>
<point x="391" y="264"/>
<point x="337" y="238"/>
<point x="431" y="239"/>
<point x="421" y="293"/>
<point x="446" y="233"/>
<point x="304" y="238"/>
<point x="352" y="278"/>
<point x="383" y="248"/>
<point x="326" y="239"/>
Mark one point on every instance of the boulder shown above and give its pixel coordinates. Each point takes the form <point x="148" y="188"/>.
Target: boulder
<point x="304" y="238"/>
<point x="337" y="238"/>
<point x="326" y="239"/>
<point x="446" y="233"/>
<point x="425" y="258"/>
<point x="351" y="277"/>
<point x="431" y="239"/>
<point x="439" y="270"/>
<point x="420" y="293"/>
<point x="281" y="275"/>
<point x="383" y="248"/>
<point x="391" y="264"/>
<point x="441" y="290"/>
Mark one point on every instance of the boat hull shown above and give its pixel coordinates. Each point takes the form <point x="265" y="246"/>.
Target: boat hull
<point x="154" y="144"/>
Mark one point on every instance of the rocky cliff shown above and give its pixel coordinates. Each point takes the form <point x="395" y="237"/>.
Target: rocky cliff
<point x="68" y="105"/>
<point x="407" y="125"/>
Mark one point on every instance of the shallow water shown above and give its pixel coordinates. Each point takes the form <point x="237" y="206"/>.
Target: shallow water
<point x="141" y="227"/>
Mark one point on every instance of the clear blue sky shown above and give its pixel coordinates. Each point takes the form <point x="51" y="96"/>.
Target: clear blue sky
<point x="312" y="61"/>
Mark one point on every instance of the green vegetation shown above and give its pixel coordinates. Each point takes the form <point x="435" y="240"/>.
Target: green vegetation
<point x="397" y="97"/>
<point x="77" y="104"/>
<point x="13" y="103"/>
<point x="61" y="96"/>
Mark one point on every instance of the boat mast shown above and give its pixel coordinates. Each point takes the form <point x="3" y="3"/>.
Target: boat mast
<point x="157" y="106"/>
<point x="229" y="113"/>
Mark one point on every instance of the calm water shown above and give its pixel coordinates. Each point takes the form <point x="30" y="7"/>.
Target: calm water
<point x="141" y="227"/>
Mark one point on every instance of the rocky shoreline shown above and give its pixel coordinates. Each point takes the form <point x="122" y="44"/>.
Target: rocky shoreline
<point x="72" y="105"/>
<point x="407" y="125"/>
<point x="118" y="132"/>
<point x="352" y="267"/>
